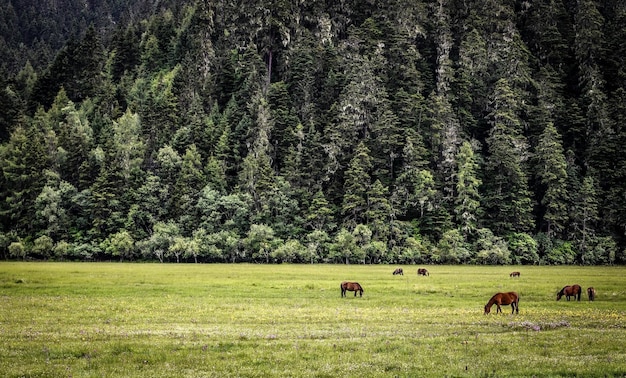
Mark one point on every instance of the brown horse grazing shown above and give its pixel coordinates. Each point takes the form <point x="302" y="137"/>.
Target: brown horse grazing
<point x="422" y="272"/>
<point x="570" y="291"/>
<point x="510" y="298"/>
<point x="591" y="293"/>
<point x="514" y="274"/>
<point x="398" y="271"/>
<point x="351" y="286"/>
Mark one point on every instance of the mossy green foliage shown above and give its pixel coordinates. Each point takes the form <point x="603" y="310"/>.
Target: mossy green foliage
<point x="121" y="320"/>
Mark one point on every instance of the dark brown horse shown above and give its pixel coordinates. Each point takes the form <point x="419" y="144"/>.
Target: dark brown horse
<point x="398" y="271"/>
<point x="570" y="291"/>
<point x="510" y="298"/>
<point x="514" y="274"/>
<point x="591" y="293"/>
<point x="351" y="286"/>
<point x="422" y="272"/>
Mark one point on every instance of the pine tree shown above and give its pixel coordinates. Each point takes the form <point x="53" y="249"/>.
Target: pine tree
<point x="550" y="168"/>
<point x="586" y="211"/>
<point x="157" y="106"/>
<point x="22" y="162"/>
<point x="284" y="123"/>
<point x="467" y="200"/>
<point x="11" y="107"/>
<point x="507" y="199"/>
<point x="363" y="100"/>
<point x="470" y="85"/>
<point x="75" y="142"/>
<point x="300" y="77"/>
<point x="379" y="214"/>
<point x="87" y="77"/>
<point x="187" y="189"/>
<point x="126" y="49"/>
<point x="414" y="189"/>
<point x="547" y="26"/>
<point x="356" y="187"/>
<point x="320" y="215"/>
<point x="107" y="206"/>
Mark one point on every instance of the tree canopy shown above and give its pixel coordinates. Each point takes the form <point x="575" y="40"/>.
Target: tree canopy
<point x="426" y="131"/>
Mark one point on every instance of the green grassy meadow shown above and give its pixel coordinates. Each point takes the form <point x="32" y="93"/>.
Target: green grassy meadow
<point x="187" y="320"/>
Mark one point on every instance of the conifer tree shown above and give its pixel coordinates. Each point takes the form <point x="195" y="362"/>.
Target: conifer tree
<point x="379" y="214"/>
<point x="467" y="200"/>
<point x="187" y="189"/>
<point x="414" y="190"/>
<point x="356" y="187"/>
<point x="320" y="214"/>
<point x="284" y="123"/>
<point x="586" y="213"/>
<point x="550" y="168"/>
<point x="507" y="201"/>
<point x="22" y="163"/>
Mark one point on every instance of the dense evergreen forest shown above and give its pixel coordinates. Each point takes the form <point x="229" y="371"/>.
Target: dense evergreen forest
<point x="345" y="131"/>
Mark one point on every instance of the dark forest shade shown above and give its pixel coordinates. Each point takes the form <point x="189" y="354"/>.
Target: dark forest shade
<point x="486" y="132"/>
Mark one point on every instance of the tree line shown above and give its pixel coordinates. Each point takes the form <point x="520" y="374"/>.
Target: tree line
<point x="431" y="131"/>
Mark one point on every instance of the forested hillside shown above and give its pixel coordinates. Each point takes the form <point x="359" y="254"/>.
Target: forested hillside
<point x="401" y="131"/>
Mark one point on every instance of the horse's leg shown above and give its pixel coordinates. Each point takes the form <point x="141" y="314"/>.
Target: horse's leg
<point x="499" y="309"/>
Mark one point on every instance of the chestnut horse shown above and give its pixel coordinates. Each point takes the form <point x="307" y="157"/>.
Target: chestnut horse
<point x="510" y="298"/>
<point x="398" y="271"/>
<point x="514" y="274"/>
<point x="570" y="291"/>
<point x="351" y="286"/>
<point x="422" y="272"/>
<point x="591" y="293"/>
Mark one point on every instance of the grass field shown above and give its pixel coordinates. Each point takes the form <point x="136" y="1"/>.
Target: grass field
<point x="166" y="320"/>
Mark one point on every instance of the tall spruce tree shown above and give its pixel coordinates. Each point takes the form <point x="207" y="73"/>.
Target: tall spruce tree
<point x="551" y="171"/>
<point x="507" y="202"/>
<point x="467" y="201"/>
<point x="356" y="187"/>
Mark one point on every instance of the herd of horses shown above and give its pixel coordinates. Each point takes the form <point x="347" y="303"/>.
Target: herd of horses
<point x="499" y="299"/>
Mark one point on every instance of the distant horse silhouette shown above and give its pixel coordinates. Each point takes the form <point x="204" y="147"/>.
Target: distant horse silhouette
<point x="398" y="271"/>
<point x="422" y="272"/>
<point x="570" y="291"/>
<point x="591" y="293"/>
<point x="351" y="286"/>
<point x="510" y="298"/>
<point x="514" y="274"/>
